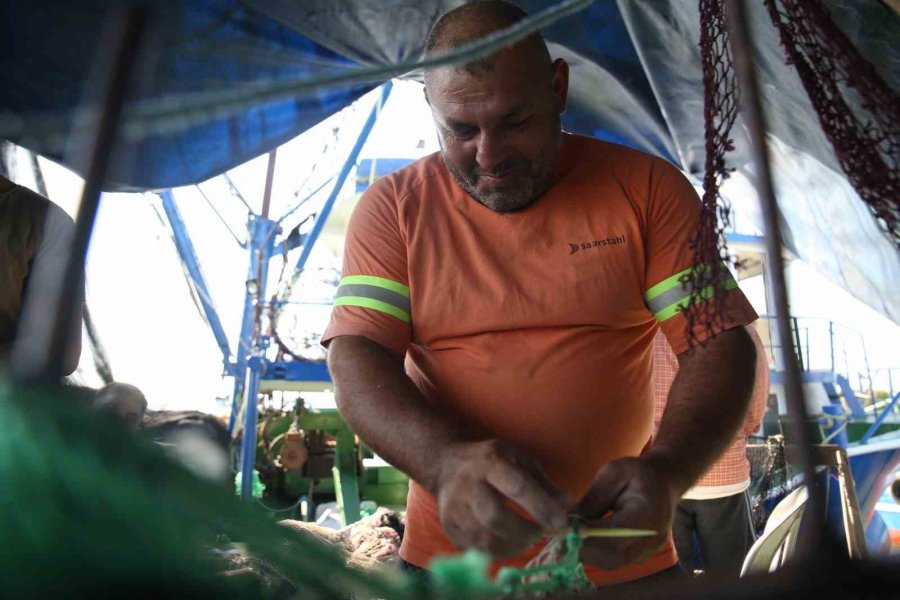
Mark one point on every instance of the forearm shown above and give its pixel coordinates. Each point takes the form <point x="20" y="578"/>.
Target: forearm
<point x="383" y="407"/>
<point x="706" y="406"/>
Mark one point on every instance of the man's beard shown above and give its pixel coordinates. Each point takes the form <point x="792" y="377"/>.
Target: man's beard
<point x="531" y="180"/>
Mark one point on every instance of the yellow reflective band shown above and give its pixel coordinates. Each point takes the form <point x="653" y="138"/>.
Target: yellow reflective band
<point x="676" y="307"/>
<point x="374" y="305"/>
<point x="377" y="282"/>
<point x="668" y="283"/>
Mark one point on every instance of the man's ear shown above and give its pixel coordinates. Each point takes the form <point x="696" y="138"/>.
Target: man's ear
<point x="559" y="81"/>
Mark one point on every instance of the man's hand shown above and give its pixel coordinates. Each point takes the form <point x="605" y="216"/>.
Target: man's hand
<point x="476" y="481"/>
<point x="473" y="481"/>
<point x="640" y="496"/>
<point x="704" y="411"/>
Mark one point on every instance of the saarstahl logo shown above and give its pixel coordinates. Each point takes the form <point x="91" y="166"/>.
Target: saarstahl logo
<point x="610" y="241"/>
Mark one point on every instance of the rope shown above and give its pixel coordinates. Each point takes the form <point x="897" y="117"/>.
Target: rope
<point x="551" y="553"/>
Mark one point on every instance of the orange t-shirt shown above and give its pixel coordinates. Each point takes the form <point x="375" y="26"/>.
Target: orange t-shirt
<point x="530" y="326"/>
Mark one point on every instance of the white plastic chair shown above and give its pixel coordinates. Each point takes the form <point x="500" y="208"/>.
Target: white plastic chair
<point x="776" y="544"/>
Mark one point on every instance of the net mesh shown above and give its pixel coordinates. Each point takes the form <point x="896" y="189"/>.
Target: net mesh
<point x="836" y="77"/>
<point x="770" y="478"/>
<point x="866" y="142"/>
<point x="720" y="108"/>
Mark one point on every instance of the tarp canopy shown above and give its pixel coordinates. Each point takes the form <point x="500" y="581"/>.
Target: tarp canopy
<point x="201" y="101"/>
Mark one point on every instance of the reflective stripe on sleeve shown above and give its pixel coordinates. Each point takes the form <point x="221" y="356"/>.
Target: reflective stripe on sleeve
<point x="670" y="296"/>
<point x="376" y="293"/>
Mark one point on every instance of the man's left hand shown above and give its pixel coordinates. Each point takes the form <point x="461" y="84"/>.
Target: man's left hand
<point x="631" y="493"/>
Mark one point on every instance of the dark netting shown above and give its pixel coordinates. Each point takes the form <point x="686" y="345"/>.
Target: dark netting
<point x="770" y="478"/>
<point x="866" y="145"/>
<point x="720" y="104"/>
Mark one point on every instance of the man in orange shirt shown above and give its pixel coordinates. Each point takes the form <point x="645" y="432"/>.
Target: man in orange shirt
<point x="492" y="331"/>
<point x="715" y="509"/>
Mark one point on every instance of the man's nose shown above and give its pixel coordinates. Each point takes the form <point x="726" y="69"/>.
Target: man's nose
<point x="490" y="152"/>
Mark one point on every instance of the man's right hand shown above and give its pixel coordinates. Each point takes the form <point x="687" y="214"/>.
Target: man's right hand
<point x="476" y="481"/>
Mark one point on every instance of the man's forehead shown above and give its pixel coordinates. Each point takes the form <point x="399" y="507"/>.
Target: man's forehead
<point x="503" y="75"/>
<point x="463" y="98"/>
<point x="452" y="87"/>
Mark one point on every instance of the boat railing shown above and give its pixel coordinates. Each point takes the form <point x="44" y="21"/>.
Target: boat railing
<point x="823" y="345"/>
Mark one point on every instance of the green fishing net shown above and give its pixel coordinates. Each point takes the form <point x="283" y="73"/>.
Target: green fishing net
<point x="88" y="511"/>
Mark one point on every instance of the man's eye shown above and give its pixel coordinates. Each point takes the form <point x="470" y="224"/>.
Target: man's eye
<point x="463" y="132"/>
<point x="517" y="122"/>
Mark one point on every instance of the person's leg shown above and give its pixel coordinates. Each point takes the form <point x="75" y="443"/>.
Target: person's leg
<point x="683" y="527"/>
<point x="725" y="533"/>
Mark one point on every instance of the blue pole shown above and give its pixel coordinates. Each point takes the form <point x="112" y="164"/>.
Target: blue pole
<point x="248" y="443"/>
<point x="342" y="177"/>
<point x="261" y="229"/>
<point x="242" y="352"/>
<point x="189" y="258"/>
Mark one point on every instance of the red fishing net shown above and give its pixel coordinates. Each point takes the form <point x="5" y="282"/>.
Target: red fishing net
<point x="837" y="78"/>
<point x="866" y="141"/>
<point x="720" y="105"/>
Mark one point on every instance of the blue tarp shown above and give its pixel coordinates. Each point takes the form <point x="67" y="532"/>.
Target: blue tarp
<point x="190" y="48"/>
<point x="635" y="79"/>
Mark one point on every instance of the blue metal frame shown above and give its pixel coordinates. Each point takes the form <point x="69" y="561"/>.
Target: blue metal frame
<point x="856" y="408"/>
<point x="342" y="177"/>
<point x="251" y="352"/>
<point x="261" y="230"/>
<point x="250" y="364"/>
<point x="884" y="413"/>
<point x="308" y="196"/>
<point x="295" y="371"/>
<point x="189" y="257"/>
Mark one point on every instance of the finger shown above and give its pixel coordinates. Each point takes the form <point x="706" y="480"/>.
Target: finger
<point x="461" y="536"/>
<point x="503" y="533"/>
<point x="531" y="466"/>
<point x="603" y="495"/>
<point x="522" y="488"/>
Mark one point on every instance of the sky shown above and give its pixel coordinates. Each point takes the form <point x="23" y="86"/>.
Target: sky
<point x="154" y="333"/>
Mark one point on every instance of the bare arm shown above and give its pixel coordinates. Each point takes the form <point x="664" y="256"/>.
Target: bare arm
<point x="385" y="409"/>
<point x="472" y="480"/>
<point x="704" y="412"/>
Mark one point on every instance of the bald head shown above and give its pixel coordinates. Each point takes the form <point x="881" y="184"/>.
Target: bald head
<point x="473" y="21"/>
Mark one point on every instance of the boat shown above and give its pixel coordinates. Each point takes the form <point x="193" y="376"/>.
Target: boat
<point x="264" y="75"/>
